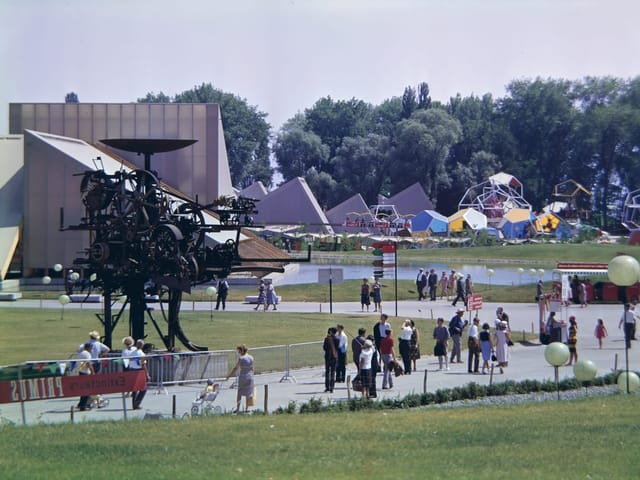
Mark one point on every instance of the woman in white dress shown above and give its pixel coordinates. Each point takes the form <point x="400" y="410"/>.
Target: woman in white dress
<point x="502" y="345"/>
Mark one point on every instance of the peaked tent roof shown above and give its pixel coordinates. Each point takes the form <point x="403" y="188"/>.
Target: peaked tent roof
<point x="290" y="203"/>
<point x="410" y="200"/>
<point x="255" y="190"/>
<point x="348" y="216"/>
<point x="430" y="220"/>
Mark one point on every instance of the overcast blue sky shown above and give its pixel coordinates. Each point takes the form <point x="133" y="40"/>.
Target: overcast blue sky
<point x="283" y="55"/>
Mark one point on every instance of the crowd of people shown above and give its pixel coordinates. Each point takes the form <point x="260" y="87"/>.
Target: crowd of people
<point x="452" y="286"/>
<point x="87" y="362"/>
<point x="390" y="354"/>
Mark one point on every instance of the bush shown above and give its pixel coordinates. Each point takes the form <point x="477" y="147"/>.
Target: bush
<point x="470" y="391"/>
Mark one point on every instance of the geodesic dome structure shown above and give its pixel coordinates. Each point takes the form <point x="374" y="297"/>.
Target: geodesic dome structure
<point x="572" y="201"/>
<point x="495" y="197"/>
<point x="631" y="210"/>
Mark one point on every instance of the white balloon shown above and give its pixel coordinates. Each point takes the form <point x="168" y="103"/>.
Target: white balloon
<point x="520" y="270"/>
<point x="93" y="277"/>
<point x="585" y="370"/>
<point x="541" y="271"/>
<point x="57" y="267"/>
<point x="46" y="279"/>
<point x="211" y="291"/>
<point x="634" y="382"/>
<point x="75" y="276"/>
<point x="64" y="299"/>
<point x="556" y="354"/>
<point x="490" y="272"/>
<point x="624" y="270"/>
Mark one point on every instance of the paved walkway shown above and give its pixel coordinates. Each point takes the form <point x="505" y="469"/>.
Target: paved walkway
<point x="527" y="362"/>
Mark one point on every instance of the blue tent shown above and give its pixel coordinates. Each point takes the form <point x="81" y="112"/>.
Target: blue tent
<point x="517" y="223"/>
<point x="430" y="220"/>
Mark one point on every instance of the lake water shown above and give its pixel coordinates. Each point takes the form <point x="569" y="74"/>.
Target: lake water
<point x="503" y="275"/>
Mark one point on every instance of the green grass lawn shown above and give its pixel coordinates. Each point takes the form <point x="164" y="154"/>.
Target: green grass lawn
<point x="592" y="438"/>
<point x="539" y="253"/>
<point x="58" y="338"/>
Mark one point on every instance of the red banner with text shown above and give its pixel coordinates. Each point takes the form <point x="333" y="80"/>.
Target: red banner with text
<point x="43" y="388"/>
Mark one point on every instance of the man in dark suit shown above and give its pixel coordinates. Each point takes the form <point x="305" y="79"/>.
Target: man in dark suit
<point x="432" y="281"/>
<point x="421" y="283"/>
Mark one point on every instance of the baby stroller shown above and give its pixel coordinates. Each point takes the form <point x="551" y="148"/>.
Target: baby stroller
<point x="203" y="404"/>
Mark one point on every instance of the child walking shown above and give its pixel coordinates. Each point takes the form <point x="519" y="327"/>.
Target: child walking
<point x="601" y="332"/>
<point x="573" y="340"/>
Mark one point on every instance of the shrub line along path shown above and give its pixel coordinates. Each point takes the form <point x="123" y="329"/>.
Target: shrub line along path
<point x="527" y="362"/>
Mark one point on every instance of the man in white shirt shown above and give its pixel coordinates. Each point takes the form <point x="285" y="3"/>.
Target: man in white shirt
<point x="473" y="344"/>
<point x="86" y="368"/>
<point x="341" y="368"/>
<point x="628" y="320"/>
<point x="138" y="362"/>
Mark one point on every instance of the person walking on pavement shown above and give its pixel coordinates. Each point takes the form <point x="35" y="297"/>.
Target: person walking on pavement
<point x="98" y="349"/>
<point x="473" y="345"/>
<point x="330" y="348"/>
<point x="421" y="283"/>
<point x="487" y="346"/>
<point x="405" y="346"/>
<point x="356" y="346"/>
<point x="138" y="362"/>
<point x="341" y="367"/>
<point x="459" y="291"/>
<point x="456" y="326"/>
<point x="432" y="281"/>
<point x="387" y="355"/>
<point x="86" y="368"/>
<point x="380" y="328"/>
<point x="365" y="299"/>
<point x="366" y="356"/>
<point x="444" y="285"/>
<point x="223" y="291"/>
<point x="628" y="321"/>
<point x="441" y="336"/>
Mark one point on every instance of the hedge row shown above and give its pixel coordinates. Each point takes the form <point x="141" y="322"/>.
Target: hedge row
<point x="471" y="391"/>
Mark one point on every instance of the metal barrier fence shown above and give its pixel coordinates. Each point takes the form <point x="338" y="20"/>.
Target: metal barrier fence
<point x="166" y="368"/>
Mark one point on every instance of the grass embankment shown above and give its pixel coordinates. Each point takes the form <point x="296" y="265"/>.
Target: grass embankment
<point x="57" y="338"/>
<point x="590" y="438"/>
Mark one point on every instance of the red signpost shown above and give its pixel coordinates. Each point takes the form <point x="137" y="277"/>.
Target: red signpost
<point x="474" y="302"/>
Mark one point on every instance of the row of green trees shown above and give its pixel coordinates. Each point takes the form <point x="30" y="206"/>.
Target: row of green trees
<point x="543" y="131"/>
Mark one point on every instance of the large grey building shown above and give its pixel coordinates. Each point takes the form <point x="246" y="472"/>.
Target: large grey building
<point x="51" y="142"/>
<point x="200" y="170"/>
